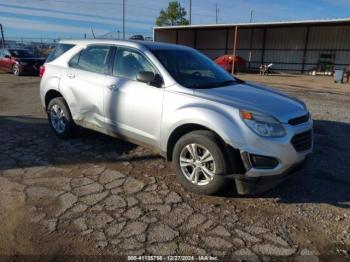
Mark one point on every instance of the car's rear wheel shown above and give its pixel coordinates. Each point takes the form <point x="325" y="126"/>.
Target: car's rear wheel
<point x="16" y="70"/>
<point x="60" y="118"/>
<point x="200" y="163"/>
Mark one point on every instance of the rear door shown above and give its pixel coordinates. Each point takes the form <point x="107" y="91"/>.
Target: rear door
<point x="83" y="83"/>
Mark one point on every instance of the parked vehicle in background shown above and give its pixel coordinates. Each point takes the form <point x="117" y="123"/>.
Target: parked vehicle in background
<point x="211" y="125"/>
<point x="225" y="62"/>
<point x="137" y="37"/>
<point x="19" y="61"/>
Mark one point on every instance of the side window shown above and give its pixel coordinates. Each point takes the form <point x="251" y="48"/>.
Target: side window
<point x="128" y="63"/>
<point x="59" y="50"/>
<point x="1" y="53"/>
<point x="93" y="59"/>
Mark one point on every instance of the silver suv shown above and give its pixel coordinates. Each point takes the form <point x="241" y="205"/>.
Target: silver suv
<point x="214" y="127"/>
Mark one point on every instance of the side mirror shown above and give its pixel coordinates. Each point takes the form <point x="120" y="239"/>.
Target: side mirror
<point x="8" y="56"/>
<point x="150" y="78"/>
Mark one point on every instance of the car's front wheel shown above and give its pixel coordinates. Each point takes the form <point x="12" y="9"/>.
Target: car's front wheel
<point x="60" y="119"/>
<point x="200" y="163"/>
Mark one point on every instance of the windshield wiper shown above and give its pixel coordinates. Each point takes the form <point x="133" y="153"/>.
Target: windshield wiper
<point x="225" y="83"/>
<point x="217" y="84"/>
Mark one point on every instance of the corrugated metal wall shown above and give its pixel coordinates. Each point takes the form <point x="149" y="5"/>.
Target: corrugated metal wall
<point x="293" y="49"/>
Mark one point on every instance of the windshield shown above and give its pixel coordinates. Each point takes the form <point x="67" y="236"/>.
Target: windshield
<point x="192" y="69"/>
<point x="20" y="53"/>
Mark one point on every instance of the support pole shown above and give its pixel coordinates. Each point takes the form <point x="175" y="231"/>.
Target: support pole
<point x="234" y="49"/>
<point x="250" y="48"/>
<point x="263" y="48"/>
<point x="190" y="12"/>
<point x="195" y="39"/>
<point x="305" y="49"/>
<point x="226" y="41"/>
<point x="2" y="37"/>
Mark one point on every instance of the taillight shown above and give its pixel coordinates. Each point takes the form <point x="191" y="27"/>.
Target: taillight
<point x="42" y="71"/>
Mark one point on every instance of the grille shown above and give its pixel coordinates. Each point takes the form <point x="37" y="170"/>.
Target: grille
<point x="303" y="141"/>
<point x="299" y="120"/>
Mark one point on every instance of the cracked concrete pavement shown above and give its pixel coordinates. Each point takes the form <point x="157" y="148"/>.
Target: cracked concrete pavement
<point x="98" y="195"/>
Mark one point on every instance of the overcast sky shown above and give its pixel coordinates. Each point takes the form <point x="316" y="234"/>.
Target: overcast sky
<point x="73" y="18"/>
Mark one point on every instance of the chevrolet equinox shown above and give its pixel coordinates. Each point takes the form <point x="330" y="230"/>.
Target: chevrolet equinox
<point x="215" y="128"/>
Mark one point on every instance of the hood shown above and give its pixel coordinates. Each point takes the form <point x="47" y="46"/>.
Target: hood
<point x="256" y="98"/>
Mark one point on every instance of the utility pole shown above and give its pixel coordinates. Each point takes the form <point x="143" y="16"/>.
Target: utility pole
<point x="190" y="12"/>
<point x="123" y="19"/>
<point x="216" y="12"/>
<point x="251" y="15"/>
<point x="2" y="37"/>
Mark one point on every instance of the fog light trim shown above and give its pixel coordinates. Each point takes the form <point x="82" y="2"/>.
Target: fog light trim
<point x="262" y="162"/>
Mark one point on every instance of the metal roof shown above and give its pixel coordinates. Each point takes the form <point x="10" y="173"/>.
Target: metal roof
<point x="261" y="24"/>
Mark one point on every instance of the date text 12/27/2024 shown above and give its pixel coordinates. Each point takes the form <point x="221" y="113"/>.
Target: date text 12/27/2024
<point x="172" y="258"/>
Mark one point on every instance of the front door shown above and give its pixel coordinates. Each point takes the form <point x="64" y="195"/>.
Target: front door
<point x="132" y="109"/>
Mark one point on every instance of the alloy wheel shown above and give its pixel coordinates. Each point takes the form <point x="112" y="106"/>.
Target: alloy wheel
<point x="15" y="70"/>
<point x="58" y="119"/>
<point x="197" y="164"/>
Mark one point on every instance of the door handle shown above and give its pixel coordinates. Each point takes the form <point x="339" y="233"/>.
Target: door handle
<point x="71" y="76"/>
<point x="112" y="87"/>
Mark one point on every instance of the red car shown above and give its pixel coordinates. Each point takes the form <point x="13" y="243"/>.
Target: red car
<point x="19" y="62"/>
<point x="225" y="62"/>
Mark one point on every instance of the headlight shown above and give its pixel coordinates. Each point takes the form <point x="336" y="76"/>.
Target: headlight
<point x="262" y="124"/>
<point x="23" y="63"/>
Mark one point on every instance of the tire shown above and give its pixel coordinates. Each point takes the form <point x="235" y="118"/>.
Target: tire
<point x="16" y="71"/>
<point x="60" y="118"/>
<point x="219" y="166"/>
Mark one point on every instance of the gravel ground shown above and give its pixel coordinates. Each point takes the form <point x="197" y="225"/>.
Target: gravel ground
<point x="96" y="195"/>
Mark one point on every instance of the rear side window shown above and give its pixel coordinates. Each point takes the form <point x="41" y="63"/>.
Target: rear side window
<point x="74" y="61"/>
<point x="92" y="59"/>
<point x="58" y="51"/>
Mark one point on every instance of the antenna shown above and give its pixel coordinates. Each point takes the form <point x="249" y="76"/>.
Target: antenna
<point x="92" y="31"/>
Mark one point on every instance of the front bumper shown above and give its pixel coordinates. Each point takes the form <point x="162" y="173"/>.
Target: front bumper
<point x="255" y="185"/>
<point x="282" y="149"/>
